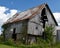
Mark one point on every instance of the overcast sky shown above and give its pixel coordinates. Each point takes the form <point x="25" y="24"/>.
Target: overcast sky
<point x="9" y="7"/>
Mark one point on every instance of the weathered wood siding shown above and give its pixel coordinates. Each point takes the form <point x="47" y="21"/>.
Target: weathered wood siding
<point x="34" y="22"/>
<point x="34" y="25"/>
<point x="51" y="21"/>
<point x="20" y="28"/>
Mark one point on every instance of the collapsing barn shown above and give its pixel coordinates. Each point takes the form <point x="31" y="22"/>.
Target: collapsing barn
<point x="29" y="24"/>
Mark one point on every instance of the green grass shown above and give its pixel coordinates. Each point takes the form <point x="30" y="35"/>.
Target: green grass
<point x="6" y="46"/>
<point x="28" y="46"/>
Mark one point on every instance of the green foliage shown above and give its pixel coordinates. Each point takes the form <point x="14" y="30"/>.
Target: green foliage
<point x="49" y="33"/>
<point x="48" y="36"/>
<point x="31" y="46"/>
<point x="48" y="42"/>
<point x="6" y="46"/>
<point x="4" y="27"/>
<point x="1" y="39"/>
<point x="9" y="42"/>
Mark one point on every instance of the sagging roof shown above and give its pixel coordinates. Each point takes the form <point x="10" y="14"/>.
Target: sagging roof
<point x="28" y="14"/>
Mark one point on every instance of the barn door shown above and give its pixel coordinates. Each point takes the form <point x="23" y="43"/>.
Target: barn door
<point x="14" y="34"/>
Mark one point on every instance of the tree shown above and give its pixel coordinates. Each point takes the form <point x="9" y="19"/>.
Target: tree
<point x="4" y="27"/>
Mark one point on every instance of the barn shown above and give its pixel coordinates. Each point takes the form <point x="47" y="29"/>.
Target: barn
<point x="29" y="24"/>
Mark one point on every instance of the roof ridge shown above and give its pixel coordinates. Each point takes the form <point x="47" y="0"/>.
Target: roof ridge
<point x="33" y="12"/>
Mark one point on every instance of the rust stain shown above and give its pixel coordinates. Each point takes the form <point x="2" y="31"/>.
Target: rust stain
<point x="33" y="13"/>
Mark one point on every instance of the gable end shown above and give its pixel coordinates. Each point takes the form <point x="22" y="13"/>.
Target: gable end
<point x="51" y="15"/>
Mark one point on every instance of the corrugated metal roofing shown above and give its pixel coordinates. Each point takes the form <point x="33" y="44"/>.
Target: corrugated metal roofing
<point x="25" y="15"/>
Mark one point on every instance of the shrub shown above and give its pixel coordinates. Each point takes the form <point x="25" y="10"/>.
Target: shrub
<point x="1" y="39"/>
<point x="9" y="42"/>
<point x="49" y="33"/>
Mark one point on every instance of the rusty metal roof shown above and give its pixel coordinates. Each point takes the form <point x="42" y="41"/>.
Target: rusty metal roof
<point x="25" y="15"/>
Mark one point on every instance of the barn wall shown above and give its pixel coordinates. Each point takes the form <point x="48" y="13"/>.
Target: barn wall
<point x="34" y="25"/>
<point x="51" y="21"/>
<point x="34" y="22"/>
<point x="20" y="28"/>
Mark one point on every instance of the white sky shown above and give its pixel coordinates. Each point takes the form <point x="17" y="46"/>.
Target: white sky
<point x="4" y="16"/>
<point x="57" y="17"/>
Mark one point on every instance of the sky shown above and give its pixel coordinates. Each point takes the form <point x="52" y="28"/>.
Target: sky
<point x="9" y="7"/>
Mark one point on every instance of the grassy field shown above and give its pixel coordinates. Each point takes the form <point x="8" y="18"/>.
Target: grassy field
<point x="6" y="46"/>
<point x="29" y="46"/>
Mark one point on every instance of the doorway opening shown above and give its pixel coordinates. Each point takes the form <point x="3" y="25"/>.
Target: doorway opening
<point x="14" y="34"/>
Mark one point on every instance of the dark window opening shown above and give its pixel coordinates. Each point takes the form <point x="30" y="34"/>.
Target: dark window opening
<point x="14" y="34"/>
<point x="43" y="12"/>
<point x="14" y="30"/>
<point x="44" y="18"/>
<point x="43" y="15"/>
<point x="36" y="27"/>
